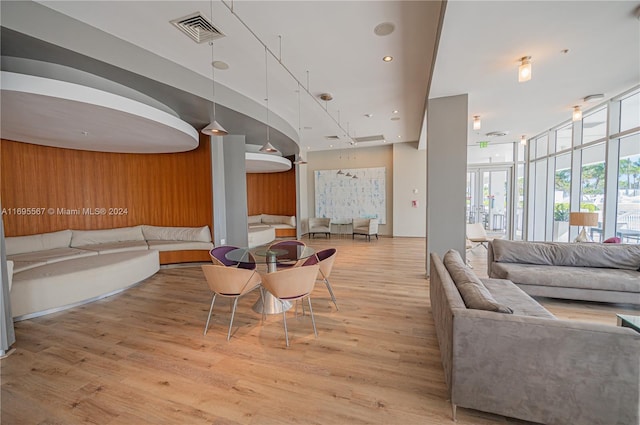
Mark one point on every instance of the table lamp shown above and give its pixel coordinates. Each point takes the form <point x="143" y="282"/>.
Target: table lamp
<point x="583" y="219"/>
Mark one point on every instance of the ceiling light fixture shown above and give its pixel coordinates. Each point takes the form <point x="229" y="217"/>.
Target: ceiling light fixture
<point x="577" y="114"/>
<point x="523" y="140"/>
<point x="477" y="124"/>
<point x="387" y="58"/>
<point x="267" y="147"/>
<point x="214" y="128"/>
<point x="524" y="70"/>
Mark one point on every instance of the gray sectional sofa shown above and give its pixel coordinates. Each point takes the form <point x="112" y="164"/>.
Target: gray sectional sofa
<point x="529" y="364"/>
<point x="577" y="271"/>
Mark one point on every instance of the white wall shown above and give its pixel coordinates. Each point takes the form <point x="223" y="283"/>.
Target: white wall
<point x="409" y="177"/>
<point x="378" y="156"/>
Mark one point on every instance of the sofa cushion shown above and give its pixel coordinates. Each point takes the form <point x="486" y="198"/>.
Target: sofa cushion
<point x="615" y="256"/>
<point x="39" y="242"/>
<point x="111" y="247"/>
<point x="49" y="256"/>
<point x="569" y="277"/>
<point x="254" y="219"/>
<point x="180" y="245"/>
<point x="507" y="293"/>
<point x="92" y="237"/>
<point x="473" y="292"/>
<point x="505" y="251"/>
<point x="20" y="266"/>
<point x="279" y="219"/>
<point x="161" y="233"/>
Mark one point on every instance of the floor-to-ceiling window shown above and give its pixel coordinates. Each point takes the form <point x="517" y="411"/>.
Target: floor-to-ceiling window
<point x="592" y="184"/>
<point x="628" y="206"/>
<point x="592" y="165"/>
<point x="561" y="199"/>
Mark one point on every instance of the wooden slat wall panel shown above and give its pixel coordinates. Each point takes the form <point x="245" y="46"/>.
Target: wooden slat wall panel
<point x="272" y="193"/>
<point x="157" y="189"/>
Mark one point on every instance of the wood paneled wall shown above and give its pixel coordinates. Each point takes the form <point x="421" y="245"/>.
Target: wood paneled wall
<point x="272" y="193"/>
<point x="90" y="190"/>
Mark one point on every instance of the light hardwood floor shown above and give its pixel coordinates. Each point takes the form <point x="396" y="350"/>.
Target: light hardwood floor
<point x="140" y="356"/>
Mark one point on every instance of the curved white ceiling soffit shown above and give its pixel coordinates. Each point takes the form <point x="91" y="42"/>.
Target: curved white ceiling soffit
<point x="265" y="163"/>
<point x="61" y="114"/>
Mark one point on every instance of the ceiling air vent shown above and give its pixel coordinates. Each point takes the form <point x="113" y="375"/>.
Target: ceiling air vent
<point x="376" y="138"/>
<point x="498" y="133"/>
<point x="198" y="28"/>
<point x="332" y="137"/>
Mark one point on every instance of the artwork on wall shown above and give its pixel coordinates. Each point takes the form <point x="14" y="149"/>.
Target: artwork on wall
<point x="342" y="197"/>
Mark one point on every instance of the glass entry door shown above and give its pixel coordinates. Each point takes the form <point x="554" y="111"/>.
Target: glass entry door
<point x="489" y="199"/>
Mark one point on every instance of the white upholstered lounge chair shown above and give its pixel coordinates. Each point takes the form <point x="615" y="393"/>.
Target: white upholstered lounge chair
<point x="366" y="227"/>
<point x="319" y="225"/>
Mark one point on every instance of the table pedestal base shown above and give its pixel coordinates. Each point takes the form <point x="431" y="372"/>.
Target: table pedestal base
<point x="271" y="305"/>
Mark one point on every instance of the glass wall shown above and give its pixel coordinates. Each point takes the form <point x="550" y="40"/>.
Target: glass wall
<point x="561" y="203"/>
<point x="594" y="125"/>
<point x="628" y="207"/>
<point x="592" y="185"/>
<point x="591" y="165"/>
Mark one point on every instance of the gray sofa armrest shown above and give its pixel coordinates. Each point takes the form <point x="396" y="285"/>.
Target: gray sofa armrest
<point x="547" y="371"/>
<point x="489" y="258"/>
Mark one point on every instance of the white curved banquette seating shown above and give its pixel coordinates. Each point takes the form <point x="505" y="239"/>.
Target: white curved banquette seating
<point x="59" y="270"/>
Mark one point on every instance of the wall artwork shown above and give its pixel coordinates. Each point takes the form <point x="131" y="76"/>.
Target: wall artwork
<point x="342" y="197"/>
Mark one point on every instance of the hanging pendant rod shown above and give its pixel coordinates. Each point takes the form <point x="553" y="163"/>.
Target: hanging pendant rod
<point x="306" y="89"/>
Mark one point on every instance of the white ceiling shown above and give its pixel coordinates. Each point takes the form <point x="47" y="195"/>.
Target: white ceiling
<point x="333" y="41"/>
<point x="478" y="54"/>
<point x="481" y="43"/>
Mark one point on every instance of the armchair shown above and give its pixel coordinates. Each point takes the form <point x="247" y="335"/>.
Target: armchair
<point x="319" y="225"/>
<point x="366" y="227"/>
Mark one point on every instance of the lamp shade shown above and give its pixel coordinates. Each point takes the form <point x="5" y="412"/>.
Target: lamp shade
<point x="583" y="219"/>
<point x="214" y="129"/>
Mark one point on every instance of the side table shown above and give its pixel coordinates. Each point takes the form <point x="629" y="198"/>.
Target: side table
<point x="628" y="321"/>
<point x="341" y="223"/>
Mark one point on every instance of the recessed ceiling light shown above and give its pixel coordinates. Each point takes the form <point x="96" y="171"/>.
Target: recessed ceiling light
<point x="395" y="118"/>
<point x="220" y="65"/>
<point x="384" y="28"/>
<point x="564" y="51"/>
<point x="395" y="111"/>
<point x="368" y="115"/>
<point x="330" y="146"/>
<point x="399" y="137"/>
<point x="326" y="97"/>
<point x="84" y="133"/>
<point x="387" y="58"/>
